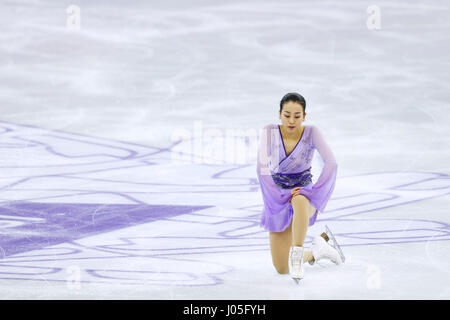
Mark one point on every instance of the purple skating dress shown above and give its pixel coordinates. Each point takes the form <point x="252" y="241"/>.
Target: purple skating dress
<point x="278" y="174"/>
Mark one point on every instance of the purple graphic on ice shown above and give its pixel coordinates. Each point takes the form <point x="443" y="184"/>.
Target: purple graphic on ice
<point x="123" y="213"/>
<point x="33" y="225"/>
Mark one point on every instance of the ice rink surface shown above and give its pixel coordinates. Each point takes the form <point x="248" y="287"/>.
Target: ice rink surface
<point x="123" y="125"/>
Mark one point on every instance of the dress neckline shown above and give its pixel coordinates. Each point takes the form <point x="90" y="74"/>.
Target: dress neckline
<point x="282" y="141"/>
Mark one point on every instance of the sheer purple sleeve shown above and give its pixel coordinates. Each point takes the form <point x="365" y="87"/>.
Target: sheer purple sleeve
<point x="274" y="200"/>
<point x="319" y="193"/>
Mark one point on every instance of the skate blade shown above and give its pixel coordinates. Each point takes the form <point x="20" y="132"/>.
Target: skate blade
<point x="335" y="244"/>
<point x="297" y="281"/>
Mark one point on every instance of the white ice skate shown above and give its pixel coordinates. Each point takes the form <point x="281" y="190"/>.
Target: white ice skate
<point x="296" y="263"/>
<point x="321" y="249"/>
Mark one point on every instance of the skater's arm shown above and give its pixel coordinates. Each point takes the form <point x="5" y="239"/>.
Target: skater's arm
<point x="274" y="200"/>
<point x="321" y="191"/>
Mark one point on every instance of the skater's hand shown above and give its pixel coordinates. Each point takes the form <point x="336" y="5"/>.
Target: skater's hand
<point x="294" y="192"/>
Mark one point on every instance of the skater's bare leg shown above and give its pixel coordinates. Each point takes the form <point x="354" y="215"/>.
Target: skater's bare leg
<point x="280" y="243"/>
<point x="303" y="210"/>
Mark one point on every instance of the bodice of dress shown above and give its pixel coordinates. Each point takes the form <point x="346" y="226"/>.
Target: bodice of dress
<point x="274" y="168"/>
<point x="298" y="160"/>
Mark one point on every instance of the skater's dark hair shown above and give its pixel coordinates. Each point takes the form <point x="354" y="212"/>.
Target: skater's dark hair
<point x="294" y="97"/>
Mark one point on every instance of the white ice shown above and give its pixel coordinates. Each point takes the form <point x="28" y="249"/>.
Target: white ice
<point x="93" y="106"/>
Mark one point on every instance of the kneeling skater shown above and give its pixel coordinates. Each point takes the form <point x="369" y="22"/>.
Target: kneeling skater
<point x="291" y="200"/>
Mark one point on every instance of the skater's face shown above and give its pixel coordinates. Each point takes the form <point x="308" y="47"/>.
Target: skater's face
<point x="292" y="116"/>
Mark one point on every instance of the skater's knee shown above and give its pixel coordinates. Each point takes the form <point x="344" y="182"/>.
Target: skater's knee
<point x="300" y="201"/>
<point x="282" y="269"/>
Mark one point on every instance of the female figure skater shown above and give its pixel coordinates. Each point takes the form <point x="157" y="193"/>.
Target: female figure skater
<point x="291" y="200"/>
